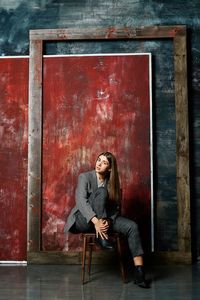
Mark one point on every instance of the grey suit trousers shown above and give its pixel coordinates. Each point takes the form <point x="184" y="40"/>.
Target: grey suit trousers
<point x="98" y="201"/>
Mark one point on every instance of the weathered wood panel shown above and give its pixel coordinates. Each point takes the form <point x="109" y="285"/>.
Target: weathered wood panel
<point x="120" y="121"/>
<point x="182" y="150"/>
<point x="105" y="257"/>
<point x="109" y="33"/>
<point x="13" y="157"/>
<point x="34" y="146"/>
<point x="92" y="104"/>
<point x="178" y="32"/>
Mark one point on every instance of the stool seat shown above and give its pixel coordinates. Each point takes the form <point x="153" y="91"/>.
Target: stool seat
<point x="89" y="242"/>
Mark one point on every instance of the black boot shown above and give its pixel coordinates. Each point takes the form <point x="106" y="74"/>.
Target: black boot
<point x="104" y="244"/>
<point x="140" y="277"/>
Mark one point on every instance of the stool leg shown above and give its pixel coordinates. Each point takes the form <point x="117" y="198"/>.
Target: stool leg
<point x="90" y="255"/>
<point x="83" y="259"/>
<point x="119" y="251"/>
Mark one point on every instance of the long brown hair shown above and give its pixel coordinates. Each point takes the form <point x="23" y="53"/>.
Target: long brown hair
<point x="113" y="183"/>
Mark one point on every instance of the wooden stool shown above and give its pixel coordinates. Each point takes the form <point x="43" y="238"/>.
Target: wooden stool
<point x="88" y="243"/>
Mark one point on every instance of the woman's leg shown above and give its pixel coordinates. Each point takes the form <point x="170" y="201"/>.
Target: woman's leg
<point x="81" y="224"/>
<point x="97" y="201"/>
<point x="130" y="229"/>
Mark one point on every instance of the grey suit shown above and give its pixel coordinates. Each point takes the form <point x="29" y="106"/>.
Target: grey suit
<point x="87" y="201"/>
<point x="87" y="185"/>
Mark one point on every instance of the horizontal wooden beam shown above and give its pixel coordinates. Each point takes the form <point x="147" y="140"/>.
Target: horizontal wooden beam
<point x="151" y="32"/>
<point x="103" y="257"/>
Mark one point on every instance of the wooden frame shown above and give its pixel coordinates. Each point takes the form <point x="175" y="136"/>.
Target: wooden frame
<point x="37" y="37"/>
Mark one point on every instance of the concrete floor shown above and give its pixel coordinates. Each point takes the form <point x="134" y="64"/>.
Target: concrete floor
<point x="52" y="282"/>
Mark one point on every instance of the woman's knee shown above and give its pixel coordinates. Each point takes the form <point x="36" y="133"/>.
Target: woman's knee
<point x="125" y="226"/>
<point x="132" y="227"/>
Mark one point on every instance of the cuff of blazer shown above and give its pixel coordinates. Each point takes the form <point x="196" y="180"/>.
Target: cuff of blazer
<point x="90" y="217"/>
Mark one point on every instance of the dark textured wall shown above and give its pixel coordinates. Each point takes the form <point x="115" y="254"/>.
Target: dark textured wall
<point x="17" y="17"/>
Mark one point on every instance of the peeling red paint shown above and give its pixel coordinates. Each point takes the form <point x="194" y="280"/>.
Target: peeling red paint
<point x="92" y="104"/>
<point x="13" y="157"/>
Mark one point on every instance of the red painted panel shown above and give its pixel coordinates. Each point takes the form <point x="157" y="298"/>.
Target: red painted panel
<point x="13" y="157"/>
<point x="93" y="104"/>
<point x="90" y="105"/>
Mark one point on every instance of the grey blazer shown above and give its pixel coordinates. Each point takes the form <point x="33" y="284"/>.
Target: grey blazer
<point x="87" y="184"/>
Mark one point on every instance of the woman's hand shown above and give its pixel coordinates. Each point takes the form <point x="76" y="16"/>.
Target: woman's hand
<point x="104" y="225"/>
<point x="101" y="227"/>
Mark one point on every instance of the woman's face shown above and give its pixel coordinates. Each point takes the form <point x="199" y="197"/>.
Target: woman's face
<point x="102" y="165"/>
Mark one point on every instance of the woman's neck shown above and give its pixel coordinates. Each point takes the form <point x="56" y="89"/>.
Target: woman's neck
<point x="101" y="177"/>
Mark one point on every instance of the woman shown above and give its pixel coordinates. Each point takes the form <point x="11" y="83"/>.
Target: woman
<point x="98" y="208"/>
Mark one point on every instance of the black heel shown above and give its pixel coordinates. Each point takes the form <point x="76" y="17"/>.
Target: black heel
<point x="104" y="244"/>
<point x="140" y="277"/>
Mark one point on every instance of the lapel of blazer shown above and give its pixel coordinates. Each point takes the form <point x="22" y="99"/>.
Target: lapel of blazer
<point x="94" y="180"/>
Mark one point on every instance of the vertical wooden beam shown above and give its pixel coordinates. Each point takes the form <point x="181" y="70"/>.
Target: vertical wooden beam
<point x="35" y="146"/>
<point x="182" y="143"/>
